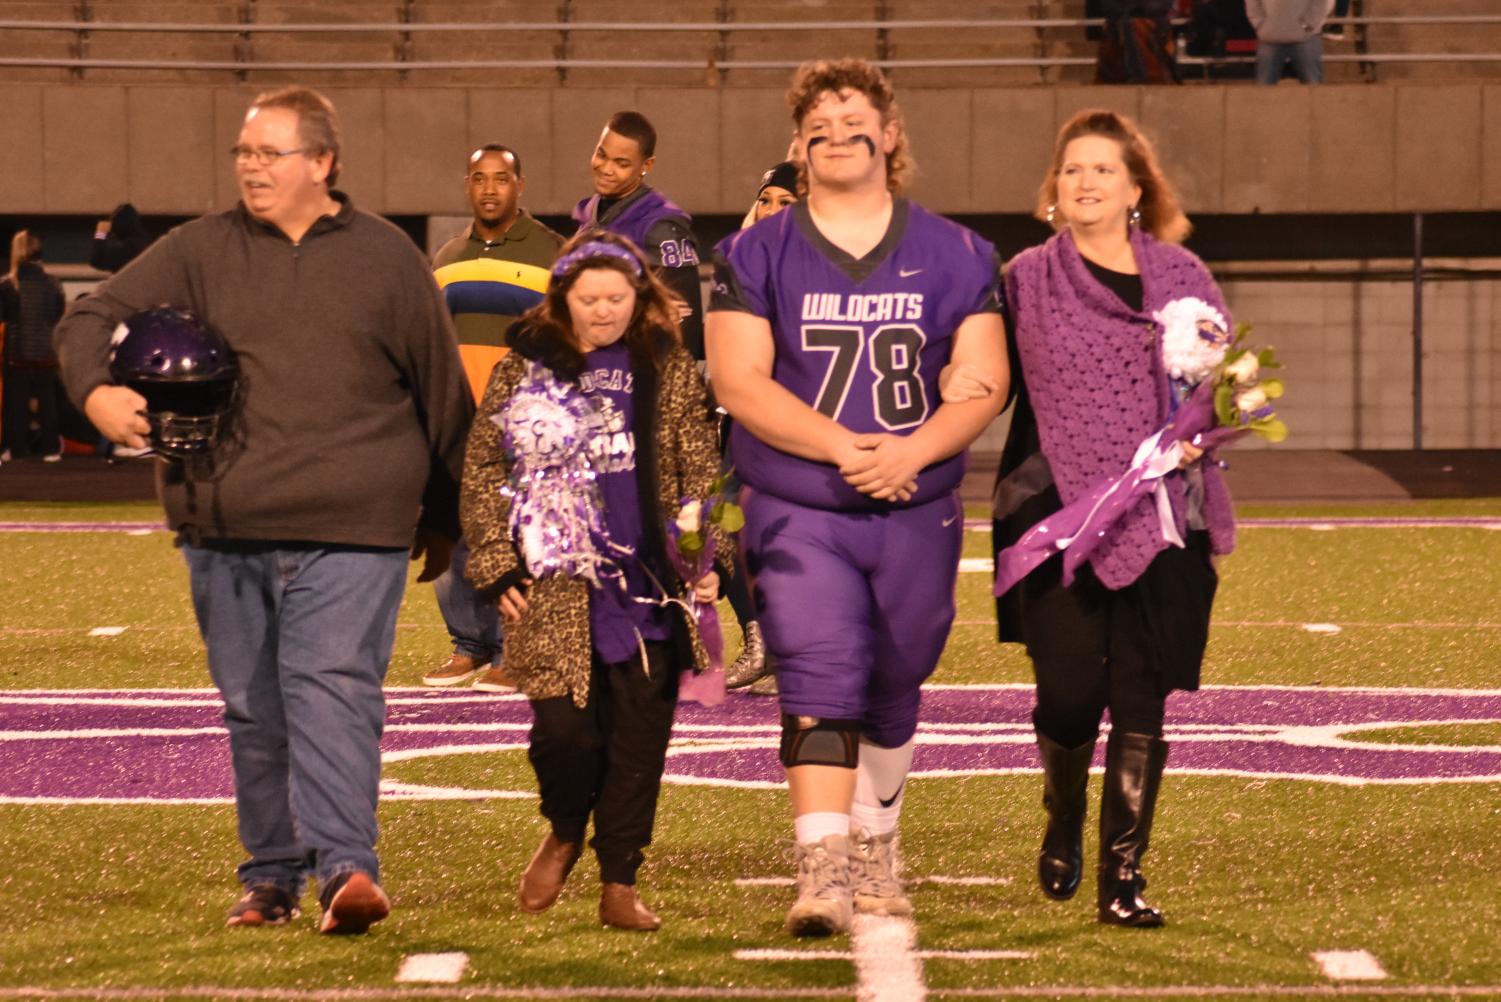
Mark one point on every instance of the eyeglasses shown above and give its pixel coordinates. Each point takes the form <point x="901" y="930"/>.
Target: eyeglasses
<point x="264" y="155"/>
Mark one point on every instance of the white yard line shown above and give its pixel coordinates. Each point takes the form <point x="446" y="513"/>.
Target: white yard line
<point x="439" y="968"/>
<point x="910" y="881"/>
<point x="1350" y="965"/>
<point x="887" y="968"/>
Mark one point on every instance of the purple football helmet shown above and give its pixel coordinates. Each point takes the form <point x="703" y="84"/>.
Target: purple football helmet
<point x="187" y="373"/>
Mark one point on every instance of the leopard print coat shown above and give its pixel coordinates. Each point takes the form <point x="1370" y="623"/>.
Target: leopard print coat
<point x="549" y="650"/>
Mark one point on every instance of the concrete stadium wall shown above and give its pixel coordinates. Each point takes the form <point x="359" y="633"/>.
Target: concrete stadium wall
<point x="82" y="148"/>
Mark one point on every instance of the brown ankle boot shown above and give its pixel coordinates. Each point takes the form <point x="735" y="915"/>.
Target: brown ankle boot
<point x="620" y="906"/>
<point x="547" y="872"/>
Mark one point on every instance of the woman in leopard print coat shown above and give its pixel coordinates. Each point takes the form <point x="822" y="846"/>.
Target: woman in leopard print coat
<point x="599" y="669"/>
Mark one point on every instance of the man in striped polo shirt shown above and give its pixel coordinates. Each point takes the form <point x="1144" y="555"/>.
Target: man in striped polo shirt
<point x="491" y="273"/>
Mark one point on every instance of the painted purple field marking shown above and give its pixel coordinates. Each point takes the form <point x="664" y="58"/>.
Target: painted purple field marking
<point x="1347" y="522"/>
<point x="158" y="746"/>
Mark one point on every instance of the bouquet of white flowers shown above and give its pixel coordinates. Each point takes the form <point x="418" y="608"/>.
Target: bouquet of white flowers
<point x="1220" y="392"/>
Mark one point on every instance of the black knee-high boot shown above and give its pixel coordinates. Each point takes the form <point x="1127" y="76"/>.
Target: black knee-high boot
<point x="1133" y="773"/>
<point x="1065" y="781"/>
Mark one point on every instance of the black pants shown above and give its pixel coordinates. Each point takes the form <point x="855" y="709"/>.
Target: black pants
<point x="22" y="383"/>
<point x="607" y="758"/>
<point x="1093" y="648"/>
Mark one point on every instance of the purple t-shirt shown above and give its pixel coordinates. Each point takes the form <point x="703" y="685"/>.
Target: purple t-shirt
<point x="614" y="618"/>
<point x="861" y="341"/>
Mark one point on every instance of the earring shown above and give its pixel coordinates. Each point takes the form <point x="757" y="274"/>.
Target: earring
<point x="1052" y="213"/>
<point x="1135" y="217"/>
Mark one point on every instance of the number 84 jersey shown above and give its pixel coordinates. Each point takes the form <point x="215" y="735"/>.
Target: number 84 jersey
<point x="861" y="341"/>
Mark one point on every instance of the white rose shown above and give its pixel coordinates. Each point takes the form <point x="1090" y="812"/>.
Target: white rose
<point x="1243" y="369"/>
<point x="688" y="518"/>
<point x="1250" y="401"/>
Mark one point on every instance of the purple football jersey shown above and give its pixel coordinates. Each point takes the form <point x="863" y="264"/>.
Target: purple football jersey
<point x="861" y="341"/>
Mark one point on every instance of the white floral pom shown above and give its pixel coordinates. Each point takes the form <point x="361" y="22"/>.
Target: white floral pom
<point x="1195" y="338"/>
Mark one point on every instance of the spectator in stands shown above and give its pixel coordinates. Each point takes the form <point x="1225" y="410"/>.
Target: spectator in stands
<point x="119" y="239"/>
<point x="1138" y="45"/>
<point x="491" y="273"/>
<point x="347" y="455"/>
<point x="31" y="304"/>
<point x="624" y="203"/>
<point x="1289" y="32"/>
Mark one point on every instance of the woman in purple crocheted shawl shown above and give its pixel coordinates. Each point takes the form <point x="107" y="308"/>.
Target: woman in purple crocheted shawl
<point x="1090" y="387"/>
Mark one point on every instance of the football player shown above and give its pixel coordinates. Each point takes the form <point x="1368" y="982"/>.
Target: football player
<point x="829" y="325"/>
<point x="624" y="203"/>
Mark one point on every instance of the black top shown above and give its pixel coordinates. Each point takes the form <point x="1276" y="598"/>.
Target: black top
<point x="1126" y="287"/>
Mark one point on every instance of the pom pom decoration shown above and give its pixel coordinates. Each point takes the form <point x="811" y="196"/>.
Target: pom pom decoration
<point x="556" y="515"/>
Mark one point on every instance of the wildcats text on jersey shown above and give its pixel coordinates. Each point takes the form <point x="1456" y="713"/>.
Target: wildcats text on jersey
<point x="858" y="308"/>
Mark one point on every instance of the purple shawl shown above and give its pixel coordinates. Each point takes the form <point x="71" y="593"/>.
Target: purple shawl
<point x="1093" y="371"/>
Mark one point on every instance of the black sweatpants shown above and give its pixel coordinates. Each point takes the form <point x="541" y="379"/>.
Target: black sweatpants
<point x="607" y="758"/>
<point x="1093" y="648"/>
<point x="22" y="383"/>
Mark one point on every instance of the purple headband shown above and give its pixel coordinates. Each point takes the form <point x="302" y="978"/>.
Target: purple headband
<point x="592" y="249"/>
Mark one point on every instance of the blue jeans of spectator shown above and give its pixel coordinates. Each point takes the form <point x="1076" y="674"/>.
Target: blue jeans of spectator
<point x="473" y="624"/>
<point x="1307" y="58"/>
<point x="299" y="638"/>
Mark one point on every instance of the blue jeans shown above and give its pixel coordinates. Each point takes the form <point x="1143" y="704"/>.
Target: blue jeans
<point x="1307" y="58"/>
<point x="299" y="638"/>
<point x="473" y="624"/>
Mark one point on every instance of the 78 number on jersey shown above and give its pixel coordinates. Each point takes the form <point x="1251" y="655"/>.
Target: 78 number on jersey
<point x="894" y="354"/>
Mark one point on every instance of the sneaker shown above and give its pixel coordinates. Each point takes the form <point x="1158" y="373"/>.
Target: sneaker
<point x="766" y="685"/>
<point x="874" y="882"/>
<point x="264" y="904"/>
<point x="55" y="457"/>
<point x="495" y="679"/>
<point x="823" y="905"/>
<point x="751" y="664"/>
<point x="458" y="669"/>
<point x="352" y="903"/>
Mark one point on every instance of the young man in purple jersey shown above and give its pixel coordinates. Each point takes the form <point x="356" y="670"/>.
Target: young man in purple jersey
<point x="624" y="203"/>
<point x="829" y="325"/>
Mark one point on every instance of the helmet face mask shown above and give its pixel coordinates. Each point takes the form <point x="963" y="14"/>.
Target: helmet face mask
<point x="188" y="375"/>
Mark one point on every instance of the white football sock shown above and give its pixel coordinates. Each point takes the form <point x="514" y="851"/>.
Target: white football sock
<point x="880" y="785"/>
<point x="815" y="826"/>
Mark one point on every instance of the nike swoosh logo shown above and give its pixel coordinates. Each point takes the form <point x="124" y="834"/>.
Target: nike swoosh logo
<point x="904" y="273"/>
<point x="898" y="793"/>
<point x="950" y="521"/>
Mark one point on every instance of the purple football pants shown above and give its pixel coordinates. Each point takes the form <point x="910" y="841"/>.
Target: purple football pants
<point x="856" y="606"/>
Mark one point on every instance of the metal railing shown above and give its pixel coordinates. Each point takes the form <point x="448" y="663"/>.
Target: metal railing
<point x="403" y="31"/>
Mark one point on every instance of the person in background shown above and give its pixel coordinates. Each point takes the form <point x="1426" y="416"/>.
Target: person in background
<point x="754" y="669"/>
<point x="624" y="203"/>
<point x="31" y="304"/>
<point x="493" y="272"/>
<point x="1289" y="33"/>
<point x="119" y="239"/>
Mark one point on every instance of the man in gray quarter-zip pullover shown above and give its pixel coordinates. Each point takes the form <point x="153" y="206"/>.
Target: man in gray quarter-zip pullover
<point x="347" y="452"/>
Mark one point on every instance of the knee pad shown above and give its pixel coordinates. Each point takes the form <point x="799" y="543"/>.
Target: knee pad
<point x="817" y="741"/>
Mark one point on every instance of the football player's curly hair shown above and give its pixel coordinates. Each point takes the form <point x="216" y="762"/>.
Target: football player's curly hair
<point x="816" y="78"/>
<point x="546" y="330"/>
<point x="1161" y="214"/>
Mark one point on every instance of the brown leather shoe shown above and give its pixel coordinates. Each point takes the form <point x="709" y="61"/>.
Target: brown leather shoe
<point x="620" y="906"/>
<point x="458" y="669"/>
<point x="547" y="872"/>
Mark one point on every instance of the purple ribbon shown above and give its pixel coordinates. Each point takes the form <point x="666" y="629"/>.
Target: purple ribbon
<point x="1077" y="529"/>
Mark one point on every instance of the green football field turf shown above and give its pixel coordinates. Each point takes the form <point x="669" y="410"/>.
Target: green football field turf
<point x="1254" y="875"/>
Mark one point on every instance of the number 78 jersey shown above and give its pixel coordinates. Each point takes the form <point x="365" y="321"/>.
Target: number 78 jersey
<point x="861" y="341"/>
